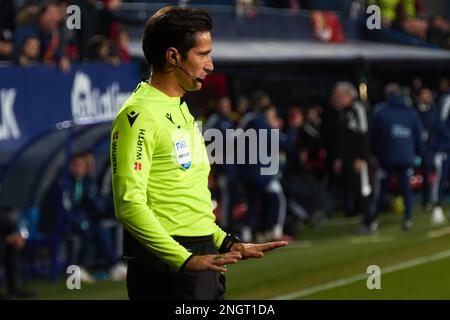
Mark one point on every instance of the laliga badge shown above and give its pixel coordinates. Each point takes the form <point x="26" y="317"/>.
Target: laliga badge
<point x="183" y="153"/>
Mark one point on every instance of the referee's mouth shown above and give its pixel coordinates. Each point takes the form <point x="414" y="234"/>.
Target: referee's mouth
<point x="201" y="79"/>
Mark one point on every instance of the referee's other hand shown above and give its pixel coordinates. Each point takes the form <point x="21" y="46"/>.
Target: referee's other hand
<point x="214" y="262"/>
<point x="252" y="250"/>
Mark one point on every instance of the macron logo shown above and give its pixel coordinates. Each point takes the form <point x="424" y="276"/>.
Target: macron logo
<point x="169" y="116"/>
<point x="132" y="117"/>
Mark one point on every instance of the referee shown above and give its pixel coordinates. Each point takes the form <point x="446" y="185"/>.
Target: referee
<point x="160" y="168"/>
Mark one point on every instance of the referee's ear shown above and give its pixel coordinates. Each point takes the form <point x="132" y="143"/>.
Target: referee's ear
<point x="172" y="57"/>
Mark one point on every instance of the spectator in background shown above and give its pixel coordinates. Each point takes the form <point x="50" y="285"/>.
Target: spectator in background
<point x="80" y="204"/>
<point x="27" y="14"/>
<point x="259" y="101"/>
<point x="7" y="26"/>
<point x="411" y="18"/>
<point x="266" y="200"/>
<point x="225" y="172"/>
<point x="12" y="242"/>
<point x="102" y="20"/>
<point x="123" y="42"/>
<point x="397" y="139"/>
<point x="6" y="45"/>
<point x="311" y="138"/>
<point x="305" y="195"/>
<point x="67" y="36"/>
<point x="414" y="27"/>
<point x="47" y="30"/>
<point x="441" y="149"/>
<point x="100" y="50"/>
<point x="107" y="23"/>
<point x="402" y="14"/>
<point x="85" y="212"/>
<point x="109" y="20"/>
<point x="329" y="132"/>
<point x="416" y="86"/>
<point x="87" y="29"/>
<point x="439" y="31"/>
<point x="378" y="201"/>
<point x="273" y="119"/>
<point x="428" y="114"/>
<point x="242" y="106"/>
<point x="7" y="15"/>
<point x="294" y="123"/>
<point x="443" y="89"/>
<point x="311" y="143"/>
<point x="296" y="210"/>
<point x="29" y="52"/>
<point x="352" y="159"/>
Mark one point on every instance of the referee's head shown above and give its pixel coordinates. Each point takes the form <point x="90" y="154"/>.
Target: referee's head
<point x="178" y="40"/>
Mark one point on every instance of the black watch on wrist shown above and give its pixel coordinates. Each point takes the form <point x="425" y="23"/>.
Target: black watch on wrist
<point x="228" y="242"/>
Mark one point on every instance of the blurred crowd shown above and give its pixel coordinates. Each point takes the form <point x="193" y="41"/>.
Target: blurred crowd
<point x="37" y="32"/>
<point x="344" y="156"/>
<point x="413" y="17"/>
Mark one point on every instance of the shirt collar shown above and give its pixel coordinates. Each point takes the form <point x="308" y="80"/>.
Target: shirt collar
<point x="162" y="95"/>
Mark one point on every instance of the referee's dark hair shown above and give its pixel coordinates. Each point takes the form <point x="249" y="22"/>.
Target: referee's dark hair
<point x="172" y="27"/>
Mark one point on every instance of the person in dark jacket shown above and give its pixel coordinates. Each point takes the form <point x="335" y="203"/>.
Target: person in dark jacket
<point x="397" y="139"/>
<point x="441" y="158"/>
<point x="352" y="152"/>
<point x="329" y="132"/>
<point x="80" y="204"/>
<point x="13" y="237"/>
<point x="100" y="18"/>
<point x="264" y="218"/>
<point x="225" y="172"/>
<point x="303" y="170"/>
<point x="428" y="114"/>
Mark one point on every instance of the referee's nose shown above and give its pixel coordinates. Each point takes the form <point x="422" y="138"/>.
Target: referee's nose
<point x="209" y="66"/>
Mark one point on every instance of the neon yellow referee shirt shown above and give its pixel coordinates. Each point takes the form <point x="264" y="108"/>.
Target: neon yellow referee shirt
<point x="160" y="173"/>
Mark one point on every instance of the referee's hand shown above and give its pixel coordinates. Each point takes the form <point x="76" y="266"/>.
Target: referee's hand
<point x="252" y="250"/>
<point x="214" y="262"/>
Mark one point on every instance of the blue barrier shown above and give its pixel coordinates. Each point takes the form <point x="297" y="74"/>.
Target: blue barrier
<point x="34" y="99"/>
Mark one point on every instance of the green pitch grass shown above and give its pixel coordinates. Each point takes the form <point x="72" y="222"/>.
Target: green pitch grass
<point x="321" y="256"/>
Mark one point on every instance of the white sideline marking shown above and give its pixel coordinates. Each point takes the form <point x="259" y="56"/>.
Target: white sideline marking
<point x="359" y="277"/>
